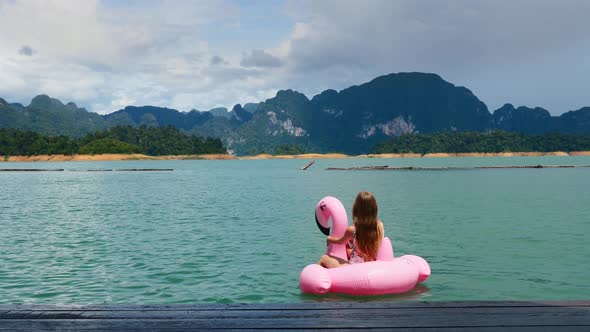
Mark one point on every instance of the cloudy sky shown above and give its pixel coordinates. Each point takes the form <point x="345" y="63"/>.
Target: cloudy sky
<point x="104" y="55"/>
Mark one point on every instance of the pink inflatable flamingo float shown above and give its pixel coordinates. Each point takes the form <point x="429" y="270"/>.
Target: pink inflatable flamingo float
<point x="386" y="275"/>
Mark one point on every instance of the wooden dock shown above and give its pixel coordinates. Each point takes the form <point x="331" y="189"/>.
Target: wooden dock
<point x="381" y="316"/>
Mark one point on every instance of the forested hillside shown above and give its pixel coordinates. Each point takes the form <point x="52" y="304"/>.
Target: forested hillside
<point x="351" y="121"/>
<point x="153" y="141"/>
<point x="497" y="141"/>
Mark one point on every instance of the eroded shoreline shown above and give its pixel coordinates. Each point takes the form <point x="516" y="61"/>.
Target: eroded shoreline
<point x="116" y="157"/>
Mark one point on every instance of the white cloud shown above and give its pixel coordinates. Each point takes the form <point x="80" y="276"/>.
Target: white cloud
<point x="260" y="59"/>
<point x="217" y="60"/>
<point x="26" y="50"/>
<point x="102" y="56"/>
<point x="485" y="44"/>
<point x="426" y="32"/>
<point x="67" y="30"/>
<point x="182" y="54"/>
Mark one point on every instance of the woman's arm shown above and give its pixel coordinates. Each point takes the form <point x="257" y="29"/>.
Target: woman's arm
<point x="348" y="235"/>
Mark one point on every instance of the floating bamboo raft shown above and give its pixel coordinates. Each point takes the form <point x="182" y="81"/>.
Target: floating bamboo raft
<point x="86" y="170"/>
<point x="420" y="168"/>
<point x="308" y="165"/>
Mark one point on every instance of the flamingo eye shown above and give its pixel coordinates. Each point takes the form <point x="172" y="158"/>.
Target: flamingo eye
<point x="322" y="206"/>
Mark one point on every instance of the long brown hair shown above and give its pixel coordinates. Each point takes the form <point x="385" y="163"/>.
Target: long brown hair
<point x="368" y="234"/>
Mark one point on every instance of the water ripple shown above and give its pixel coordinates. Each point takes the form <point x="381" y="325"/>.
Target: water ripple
<point x="241" y="231"/>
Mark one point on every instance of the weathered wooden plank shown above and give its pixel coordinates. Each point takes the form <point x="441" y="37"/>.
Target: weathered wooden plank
<point x="431" y="316"/>
<point x="443" y="329"/>
<point x="303" y="305"/>
<point x="374" y="318"/>
<point x="300" y="314"/>
<point x="273" y="323"/>
<point x="467" y="329"/>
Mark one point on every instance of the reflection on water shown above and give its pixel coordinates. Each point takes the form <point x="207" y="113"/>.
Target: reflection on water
<point x="419" y="293"/>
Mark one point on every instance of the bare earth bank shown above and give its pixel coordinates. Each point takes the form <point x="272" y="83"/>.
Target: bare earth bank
<point x="108" y="157"/>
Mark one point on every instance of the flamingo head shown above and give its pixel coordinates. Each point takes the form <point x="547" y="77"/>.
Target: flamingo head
<point x="322" y="218"/>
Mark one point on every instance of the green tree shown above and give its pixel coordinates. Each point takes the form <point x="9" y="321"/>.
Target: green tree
<point x="108" y="145"/>
<point x="288" y="149"/>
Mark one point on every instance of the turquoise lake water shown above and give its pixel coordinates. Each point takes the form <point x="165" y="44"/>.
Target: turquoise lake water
<point x="242" y="230"/>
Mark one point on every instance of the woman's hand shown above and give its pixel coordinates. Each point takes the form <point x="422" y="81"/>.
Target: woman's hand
<point x="330" y="240"/>
<point x="349" y="234"/>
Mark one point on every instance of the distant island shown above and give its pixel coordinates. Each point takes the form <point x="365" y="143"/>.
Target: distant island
<point x="353" y="121"/>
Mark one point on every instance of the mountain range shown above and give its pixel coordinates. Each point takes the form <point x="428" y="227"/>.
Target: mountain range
<point x="350" y="121"/>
